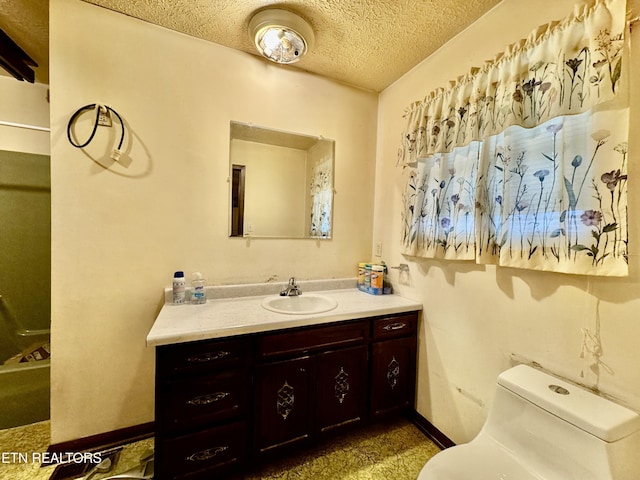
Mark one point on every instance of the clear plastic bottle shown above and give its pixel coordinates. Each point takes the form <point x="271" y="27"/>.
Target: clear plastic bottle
<point x="178" y="288"/>
<point x="198" y="295"/>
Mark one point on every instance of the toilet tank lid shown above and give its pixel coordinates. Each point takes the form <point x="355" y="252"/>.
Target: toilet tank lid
<point x="598" y="416"/>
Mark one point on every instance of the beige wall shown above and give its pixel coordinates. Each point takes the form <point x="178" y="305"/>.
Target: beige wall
<point x="478" y="320"/>
<point x="118" y="234"/>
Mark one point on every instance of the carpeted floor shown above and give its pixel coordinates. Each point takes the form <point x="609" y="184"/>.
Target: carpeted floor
<point x="395" y="451"/>
<point x="387" y="451"/>
<point x="21" y="448"/>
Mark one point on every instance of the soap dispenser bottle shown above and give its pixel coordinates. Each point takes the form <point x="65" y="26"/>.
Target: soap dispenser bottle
<point x="198" y="295"/>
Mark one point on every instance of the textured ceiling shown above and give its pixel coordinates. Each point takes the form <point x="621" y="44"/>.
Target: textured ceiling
<point x="366" y="43"/>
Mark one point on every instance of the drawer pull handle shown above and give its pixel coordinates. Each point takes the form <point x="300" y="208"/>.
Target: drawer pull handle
<point x="394" y="326"/>
<point x="208" y="357"/>
<point x="208" y="399"/>
<point x="207" y="454"/>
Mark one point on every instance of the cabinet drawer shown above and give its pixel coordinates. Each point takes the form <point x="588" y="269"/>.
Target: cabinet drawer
<point x="184" y="404"/>
<point x="396" y="326"/>
<point x="203" y="454"/>
<point x="196" y="357"/>
<point x="297" y="342"/>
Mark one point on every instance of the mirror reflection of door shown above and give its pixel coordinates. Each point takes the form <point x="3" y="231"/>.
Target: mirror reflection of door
<point x="237" y="200"/>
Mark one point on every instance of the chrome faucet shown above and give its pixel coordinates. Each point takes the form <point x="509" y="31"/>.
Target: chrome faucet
<point x="292" y="289"/>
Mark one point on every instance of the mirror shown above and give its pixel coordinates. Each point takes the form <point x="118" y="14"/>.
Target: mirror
<point x="281" y="184"/>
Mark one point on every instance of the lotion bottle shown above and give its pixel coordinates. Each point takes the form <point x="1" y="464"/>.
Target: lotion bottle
<point x="178" y="288"/>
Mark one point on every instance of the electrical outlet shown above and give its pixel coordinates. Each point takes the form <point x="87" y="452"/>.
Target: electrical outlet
<point x="378" y="249"/>
<point x="104" y="119"/>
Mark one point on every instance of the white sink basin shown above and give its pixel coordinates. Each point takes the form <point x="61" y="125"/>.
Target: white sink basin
<point x="299" y="305"/>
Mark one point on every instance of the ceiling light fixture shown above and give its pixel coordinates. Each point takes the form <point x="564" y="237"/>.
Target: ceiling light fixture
<point x="281" y="35"/>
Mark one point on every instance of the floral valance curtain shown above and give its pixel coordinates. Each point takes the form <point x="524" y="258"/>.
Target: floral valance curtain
<point x="522" y="163"/>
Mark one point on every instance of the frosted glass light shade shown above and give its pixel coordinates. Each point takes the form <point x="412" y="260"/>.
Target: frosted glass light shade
<point x="281" y="35"/>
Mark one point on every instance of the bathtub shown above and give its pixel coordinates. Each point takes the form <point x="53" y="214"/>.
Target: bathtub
<point x="24" y="387"/>
<point x="24" y="393"/>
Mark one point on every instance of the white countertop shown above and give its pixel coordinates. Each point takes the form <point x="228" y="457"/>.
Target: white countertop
<point x="226" y="317"/>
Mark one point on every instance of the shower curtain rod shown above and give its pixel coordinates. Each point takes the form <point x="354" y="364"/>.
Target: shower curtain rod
<point x="22" y="125"/>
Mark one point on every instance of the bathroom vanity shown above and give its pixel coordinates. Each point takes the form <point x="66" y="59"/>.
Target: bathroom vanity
<point x="236" y="384"/>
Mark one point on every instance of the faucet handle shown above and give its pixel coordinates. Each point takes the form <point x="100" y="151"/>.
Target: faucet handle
<point x="292" y="281"/>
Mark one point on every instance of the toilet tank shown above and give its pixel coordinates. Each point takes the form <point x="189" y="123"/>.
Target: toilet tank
<point x="562" y="431"/>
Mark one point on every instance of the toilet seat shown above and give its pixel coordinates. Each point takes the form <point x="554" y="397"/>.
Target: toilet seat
<point x="482" y="459"/>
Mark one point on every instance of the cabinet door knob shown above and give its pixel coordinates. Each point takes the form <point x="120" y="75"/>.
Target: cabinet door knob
<point x="208" y="399"/>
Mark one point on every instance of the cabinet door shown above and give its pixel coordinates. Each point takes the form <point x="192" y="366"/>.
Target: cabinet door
<point x="341" y="387"/>
<point x="392" y="375"/>
<point x="283" y="403"/>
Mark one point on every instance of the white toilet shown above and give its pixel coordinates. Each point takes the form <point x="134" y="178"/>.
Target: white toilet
<point x="541" y="428"/>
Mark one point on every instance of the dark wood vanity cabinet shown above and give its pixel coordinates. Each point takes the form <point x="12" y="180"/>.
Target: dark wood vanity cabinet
<point x="221" y="404"/>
